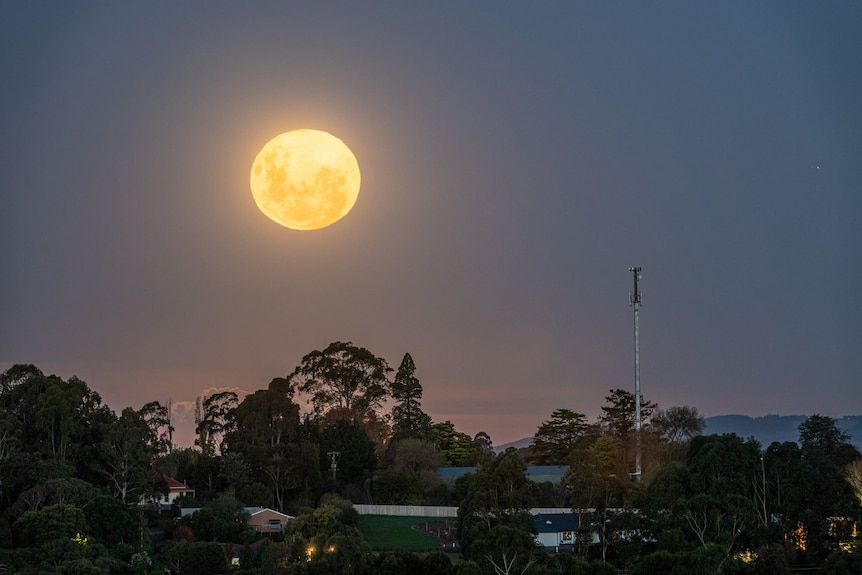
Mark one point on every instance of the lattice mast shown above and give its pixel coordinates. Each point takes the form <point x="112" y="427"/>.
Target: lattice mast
<point x="635" y="302"/>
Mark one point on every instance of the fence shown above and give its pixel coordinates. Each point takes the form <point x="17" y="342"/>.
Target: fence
<point x="407" y="510"/>
<point x="434" y="511"/>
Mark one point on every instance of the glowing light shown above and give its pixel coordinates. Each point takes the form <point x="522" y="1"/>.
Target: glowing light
<point x="746" y="556"/>
<point x="80" y="539"/>
<point x="305" y="179"/>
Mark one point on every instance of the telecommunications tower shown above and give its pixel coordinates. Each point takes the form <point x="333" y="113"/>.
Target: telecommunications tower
<point x="635" y="302"/>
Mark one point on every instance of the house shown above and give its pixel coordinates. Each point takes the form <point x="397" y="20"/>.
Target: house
<point x="266" y="520"/>
<point x="175" y="490"/>
<point x="555" y="531"/>
<point x="261" y="519"/>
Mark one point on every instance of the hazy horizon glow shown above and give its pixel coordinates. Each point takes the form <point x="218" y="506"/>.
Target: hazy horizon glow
<point x="516" y="161"/>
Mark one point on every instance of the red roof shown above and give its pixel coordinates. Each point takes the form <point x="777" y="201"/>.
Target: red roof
<point x="175" y="485"/>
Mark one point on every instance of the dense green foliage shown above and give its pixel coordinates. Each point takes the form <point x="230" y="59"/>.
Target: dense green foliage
<point x="82" y="488"/>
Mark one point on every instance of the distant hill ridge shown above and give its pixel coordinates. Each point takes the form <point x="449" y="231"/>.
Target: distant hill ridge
<point x="765" y="429"/>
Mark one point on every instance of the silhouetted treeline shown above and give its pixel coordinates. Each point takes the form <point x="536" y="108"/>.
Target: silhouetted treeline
<point x="83" y="488"/>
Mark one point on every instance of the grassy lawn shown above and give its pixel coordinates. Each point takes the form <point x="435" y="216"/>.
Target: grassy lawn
<point x="388" y="533"/>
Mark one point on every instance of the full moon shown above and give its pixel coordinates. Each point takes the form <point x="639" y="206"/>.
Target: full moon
<point x="305" y="179"/>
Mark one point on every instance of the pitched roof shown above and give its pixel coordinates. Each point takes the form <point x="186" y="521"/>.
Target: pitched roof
<point x="555" y="522"/>
<point x="252" y="511"/>
<point x="175" y="485"/>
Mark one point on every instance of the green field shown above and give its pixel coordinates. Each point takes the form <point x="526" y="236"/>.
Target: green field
<point x="389" y="533"/>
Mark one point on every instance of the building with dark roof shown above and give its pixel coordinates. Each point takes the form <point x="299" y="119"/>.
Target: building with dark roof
<point x="555" y="531"/>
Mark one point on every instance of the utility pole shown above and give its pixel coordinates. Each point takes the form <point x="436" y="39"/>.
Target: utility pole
<point x="635" y="301"/>
<point x="333" y="462"/>
<point x="170" y="427"/>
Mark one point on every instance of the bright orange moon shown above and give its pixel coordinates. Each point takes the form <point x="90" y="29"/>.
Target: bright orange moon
<point x="305" y="179"/>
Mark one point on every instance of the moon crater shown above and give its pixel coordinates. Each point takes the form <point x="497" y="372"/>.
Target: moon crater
<point x="305" y="179"/>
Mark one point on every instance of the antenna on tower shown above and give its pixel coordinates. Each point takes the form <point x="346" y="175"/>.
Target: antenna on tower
<point x="635" y="302"/>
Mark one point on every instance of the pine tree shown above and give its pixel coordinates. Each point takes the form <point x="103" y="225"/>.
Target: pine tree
<point x="407" y="415"/>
